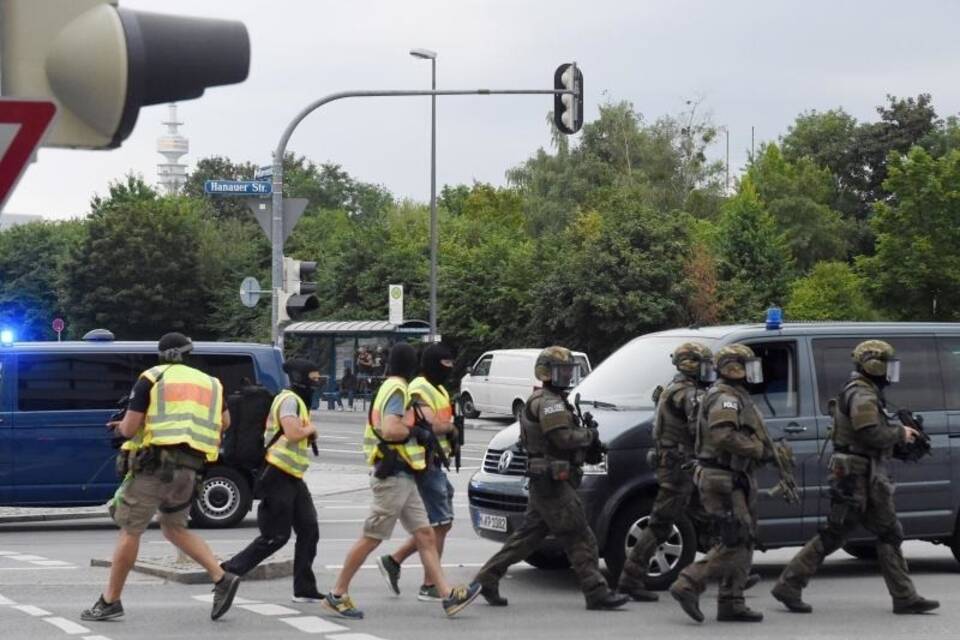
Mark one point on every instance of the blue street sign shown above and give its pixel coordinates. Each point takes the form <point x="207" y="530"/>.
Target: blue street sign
<point x="237" y="188"/>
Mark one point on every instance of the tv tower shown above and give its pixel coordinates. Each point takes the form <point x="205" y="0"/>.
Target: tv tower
<point x="172" y="174"/>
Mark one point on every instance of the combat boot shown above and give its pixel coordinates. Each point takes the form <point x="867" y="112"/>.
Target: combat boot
<point x="689" y="600"/>
<point x="734" y="611"/>
<point x="612" y="600"/>
<point x="791" y="598"/>
<point x="918" y="605"/>
<point x="640" y="594"/>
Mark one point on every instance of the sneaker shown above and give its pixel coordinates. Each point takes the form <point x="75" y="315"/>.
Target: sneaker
<point x="308" y="598"/>
<point x="460" y="596"/>
<point x="429" y="593"/>
<point x="223" y="593"/>
<point x="342" y="606"/>
<point x="102" y="610"/>
<point x="390" y="570"/>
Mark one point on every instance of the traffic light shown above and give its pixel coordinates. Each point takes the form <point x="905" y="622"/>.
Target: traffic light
<point x="297" y="295"/>
<point x="101" y="63"/>
<point x="567" y="108"/>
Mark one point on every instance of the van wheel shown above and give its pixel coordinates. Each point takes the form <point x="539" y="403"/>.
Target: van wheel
<point x="517" y="409"/>
<point x="469" y="409"/>
<point x="549" y="560"/>
<point x="670" y="557"/>
<point x="861" y="551"/>
<point x="223" y="499"/>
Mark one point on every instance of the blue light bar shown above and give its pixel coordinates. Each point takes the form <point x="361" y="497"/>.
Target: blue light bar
<point x="6" y="336"/>
<point x="774" y="318"/>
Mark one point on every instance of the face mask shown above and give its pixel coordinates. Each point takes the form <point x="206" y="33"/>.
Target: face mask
<point x="893" y="371"/>
<point x="565" y="376"/>
<point x="754" y="369"/>
<point x="708" y="373"/>
<point x="436" y="364"/>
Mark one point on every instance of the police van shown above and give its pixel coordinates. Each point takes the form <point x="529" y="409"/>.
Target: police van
<point x="56" y="397"/>
<point x="804" y="366"/>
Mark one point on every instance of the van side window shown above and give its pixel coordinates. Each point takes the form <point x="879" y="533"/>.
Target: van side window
<point x="776" y="396"/>
<point x="950" y="362"/>
<point x="483" y="367"/>
<point x="230" y="370"/>
<point x="920" y="386"/>
<point x="72" y="381"/>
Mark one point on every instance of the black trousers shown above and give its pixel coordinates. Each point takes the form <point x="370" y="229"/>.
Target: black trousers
<point x="286" y="505"/>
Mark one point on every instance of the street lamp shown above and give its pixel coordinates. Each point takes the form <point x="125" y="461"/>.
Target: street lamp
<point x="426" y="54"/>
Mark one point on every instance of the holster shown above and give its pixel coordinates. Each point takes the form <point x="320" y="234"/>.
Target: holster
<point x="559" y="470"/>
<point x="389" y="463"/>
<point x="123" y="463"/>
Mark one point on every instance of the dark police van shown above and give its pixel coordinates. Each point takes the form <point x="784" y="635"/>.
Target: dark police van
<point x="804" y="365"/>
<point x="55" y="398"/>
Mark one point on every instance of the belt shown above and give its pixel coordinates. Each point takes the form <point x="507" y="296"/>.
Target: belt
<point x="710" y="463"/>
<point x="845" y="449"/>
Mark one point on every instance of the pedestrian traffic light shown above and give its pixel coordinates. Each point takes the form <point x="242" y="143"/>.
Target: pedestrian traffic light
<point x="297" y="294"/>
<point x="101" y="63"/>
<point x="568" y="108"/>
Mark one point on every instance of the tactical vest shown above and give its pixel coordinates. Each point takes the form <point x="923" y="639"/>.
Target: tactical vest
<point x="186" y="407"/>
<point x="748" y="419"/>
<point x="289" y="457"/>
<point x="438" y="400"/>
<point x="533" y="437"/>
<point x="844" y="434"/>
<point x="670" y="426"/>
<point x="413" y="455"/>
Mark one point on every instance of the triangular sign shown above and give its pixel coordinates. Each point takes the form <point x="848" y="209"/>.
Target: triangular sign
<point x="22" y="126"/>
<point x="292" y="210"/>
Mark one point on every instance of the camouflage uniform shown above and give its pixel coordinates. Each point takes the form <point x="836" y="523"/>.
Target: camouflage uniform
<point x="861" y="493"/>
<point x="555" y="444"/>
<point x="674" y="435"/>
<point x="728" y="451"/>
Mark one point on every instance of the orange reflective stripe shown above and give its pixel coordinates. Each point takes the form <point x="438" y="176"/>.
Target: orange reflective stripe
<point x="186" y="391"/>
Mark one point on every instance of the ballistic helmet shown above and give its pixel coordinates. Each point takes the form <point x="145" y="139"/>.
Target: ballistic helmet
<point x="877" y="359"/>
<point x="738" y="362"/>
<point x="173" y="346"/>
<point x="556" y="367"/>
<point x="689" y="356"/>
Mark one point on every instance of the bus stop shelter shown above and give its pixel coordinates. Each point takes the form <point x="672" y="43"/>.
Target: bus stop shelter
<point x="359" y="346"/>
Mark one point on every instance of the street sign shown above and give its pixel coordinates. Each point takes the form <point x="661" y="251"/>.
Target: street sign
<point x="292" y="210"/>
<point x="250" y="292"/>
<point x="23" y="124"/>
<point x="58" y="324"/>
<point x="396" y="303"/>
<point x="237" y="188"/>
<point x="264" y="173"/>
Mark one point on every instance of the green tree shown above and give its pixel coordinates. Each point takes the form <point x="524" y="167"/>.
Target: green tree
<point x="754" y="263"/>
<point x="915" y="272"/>
<point x="831" y="291"/>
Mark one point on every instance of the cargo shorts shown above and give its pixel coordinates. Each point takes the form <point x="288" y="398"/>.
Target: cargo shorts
<point x="394" y="498"/>
<point x="142" y="495"/>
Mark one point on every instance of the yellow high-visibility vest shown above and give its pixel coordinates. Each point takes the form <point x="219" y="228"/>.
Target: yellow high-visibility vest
<point x="438" y="400"/>
<point x="186" y="407"/>
<point x="289" y="457"/>
<point x="410" y="452"/>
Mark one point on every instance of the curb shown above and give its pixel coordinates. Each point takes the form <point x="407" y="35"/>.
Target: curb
<point x="46" y="517"/>
<point x="191" y="573"/>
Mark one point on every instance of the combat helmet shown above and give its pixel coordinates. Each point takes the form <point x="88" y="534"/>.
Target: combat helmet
<point x="555" y="366"/>
<point x="737" y="361"/>
<point x="877" y="359"/>
<point x="689" y="357"/>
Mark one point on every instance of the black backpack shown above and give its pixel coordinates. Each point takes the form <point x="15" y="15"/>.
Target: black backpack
<point x="243" y="444"/>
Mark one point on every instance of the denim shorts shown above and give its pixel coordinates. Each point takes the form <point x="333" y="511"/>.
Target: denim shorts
<point x="437" y="494"/>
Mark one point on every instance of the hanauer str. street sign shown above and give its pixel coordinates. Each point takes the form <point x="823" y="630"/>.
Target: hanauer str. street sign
<point x="237" y="188"/>
<point x="23" y="124"/>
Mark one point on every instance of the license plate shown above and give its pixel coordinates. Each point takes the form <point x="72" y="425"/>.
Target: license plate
<point x="491" y="522"/>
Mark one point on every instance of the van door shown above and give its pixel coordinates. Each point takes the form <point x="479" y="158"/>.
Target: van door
<point x="511" y="379"/>
<point x="923" y="496"/>
<point x="62" y="453"/>
<point x="480" y="382"/>
<point x="6" y="424"/>
<point x="786" y="403"/>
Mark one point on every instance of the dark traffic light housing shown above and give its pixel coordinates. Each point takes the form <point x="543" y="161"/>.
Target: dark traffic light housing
<point x="297" y="296"/>
<point x="568" y="108"/>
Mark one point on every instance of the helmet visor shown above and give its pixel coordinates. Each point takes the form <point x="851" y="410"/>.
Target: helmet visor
<point x="893" y="371"/>
<point x="754" y="369"/>
<point x="708" y="372"/>
<point x="565" y="376"/>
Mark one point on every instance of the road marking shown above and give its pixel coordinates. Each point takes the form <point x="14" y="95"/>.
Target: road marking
<point x="95" y="638"/>
<point x="354" y="636"/>
<point x="67" y="626"/>
<point x="52" y="563"/>
<point x="270" y="609"/>
<point x="31" y="610"/>
<point x="208" y="597"/>
<point x="26" y="558"/>
<point x="313" y="624"/>
<point x="9" y="553"/>
<point x="466" y="565"/>
<point x="6" y="600"/>
<point x="39" y="568"/>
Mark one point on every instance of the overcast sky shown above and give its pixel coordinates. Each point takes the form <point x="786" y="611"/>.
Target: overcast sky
<point x="754" y="63"/>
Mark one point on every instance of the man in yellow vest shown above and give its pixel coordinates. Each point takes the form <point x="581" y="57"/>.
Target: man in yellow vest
<point x="285" y="501"/>
<point x="393" y="446"/>
<point x="175" y="418"/>
<point x="431" y="400"/>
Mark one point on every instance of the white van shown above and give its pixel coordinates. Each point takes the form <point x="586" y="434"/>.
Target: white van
<point x="500" y="381"/>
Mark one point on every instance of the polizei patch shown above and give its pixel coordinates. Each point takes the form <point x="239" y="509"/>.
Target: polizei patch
<point x="729" y="404"/>
<point x="552" y="409"/>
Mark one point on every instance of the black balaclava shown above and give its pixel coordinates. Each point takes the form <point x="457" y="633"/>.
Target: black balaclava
<point x="300" y="383"/>
<point x="402" y="361"/>
<point x="173" y="346"/>
<point x="431" y="364"/>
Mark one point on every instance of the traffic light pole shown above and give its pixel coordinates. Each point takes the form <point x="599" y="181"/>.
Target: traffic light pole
<point x="276" y="271"/>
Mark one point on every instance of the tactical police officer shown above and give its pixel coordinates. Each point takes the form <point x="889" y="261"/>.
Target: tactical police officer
<point x="729" y="448"/>
<point x="674" y="436"/>
<point x="285" y="502"/>
<point x="861" y="492"/>
<point x="555" y="444"/>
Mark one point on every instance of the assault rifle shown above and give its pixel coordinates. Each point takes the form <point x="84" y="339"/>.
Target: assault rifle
<point x="920" y="447"/>
<point x="596" y="451"/>
<point x="117" y="440"/>
<point x="783" y="458"/>
<point x="457" y="440"/>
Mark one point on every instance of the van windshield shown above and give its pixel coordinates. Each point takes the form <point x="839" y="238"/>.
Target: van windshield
<point x="628" y="377"/>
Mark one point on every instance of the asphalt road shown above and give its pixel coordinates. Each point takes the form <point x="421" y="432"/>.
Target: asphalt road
<point x="46" y="580"/>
